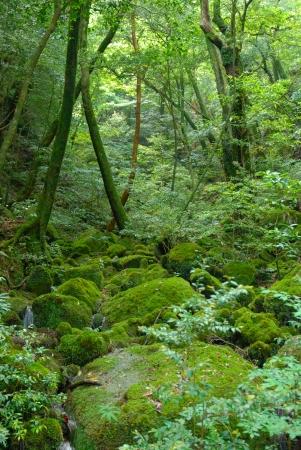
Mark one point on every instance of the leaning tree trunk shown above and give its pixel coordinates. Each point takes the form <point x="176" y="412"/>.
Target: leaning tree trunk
<point x="29" y="70"/>
<point x="104" y="165"/>
<point x="59" y="146"/>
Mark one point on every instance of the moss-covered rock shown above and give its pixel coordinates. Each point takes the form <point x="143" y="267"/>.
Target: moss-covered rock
<point x="63" y="328"/>
<point x="130" y="278"/>
<point x="49" y="437"/>
<point x="291" y="283"/>
<point x="259" y="352"/>
<point x="181" y="259"/>
<point x="82" y="347"/>
<point x="292" y="347"/>
<point x="255" y="327"/>
<point x="39" y="280"/>
<point x="133" y="261"/>
<point x="18" y="303"/>
<point x="51" y="309"/>
<point x="117" y="336"/>
<point x="116" y="250"/>
<point x="242" y="272"/>
<point x="84" y="290"/>
<point x="200" y="277"/>
<point x="146" y="298"/>
<point x="90" y="272"/>
<point x="89" y="242"/>
<point x="128" y="381"/>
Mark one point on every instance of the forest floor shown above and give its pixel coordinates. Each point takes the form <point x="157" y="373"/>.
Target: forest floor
<point x="91" y="306"/>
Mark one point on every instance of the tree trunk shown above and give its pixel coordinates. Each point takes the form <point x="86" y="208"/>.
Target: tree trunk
<point x="136" y="139"/>
<point x="226" y="64"/>
<point x="101" y="49"/>
<point x="104" y="166"/>
<point x="29" y="70"/>
<point x="59" y="146"/>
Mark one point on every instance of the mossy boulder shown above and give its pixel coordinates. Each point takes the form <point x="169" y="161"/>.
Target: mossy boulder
<point x="82" y="347"/>
<point x="146" y="298"/>
<point x="84" y="290"/>
<point x="259" y="352"/>
<point x="116" y="250"/>
<point x="63" y="328"/>
<point x="49" y="437"/>
<point x="202" y="278"/>
<point x="291" y="283"/>
<point x="242" y="272"/>
<point x="128" y="383"/>
<point x="51" y="309"/>
<point x="39" y="281"/>
<point x="255" y="327"/>
<point x="133" y="261"/>
<point x="117" y="336"/>
<point x="89" y="242"/>
<point x="90" y="272"/>
<point x="292" y="347"/>
<point x="129" y="278"/>
<point x="182" y="258"/>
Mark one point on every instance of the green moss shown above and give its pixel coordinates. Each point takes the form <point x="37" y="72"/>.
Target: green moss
<point x="242" y="272"/>
<point x="129" y="278"/>
<point x="90" y="272"/>
<point x="111" y="289"/>
<point x="129" y="380"/>
<point x="259" y="352"/>
<point x="116" y="250"/>
<point x="49" y="438"/>
<point x="200" y="277"/>
<point x="254" y="327"/>
<point x="291" y="283"/>
<point x="292" y="347"/>
<point x="63" y="328"/>
<point x="11" y="318"/>
<point x="181" y="259"/>
<point x="82" y="347"/>
<point x="133" y="261"/>
<point x="39" y="280"/>
<point x="89" y="242"/>
<point x="147" y="297"/>
<point x="117" y="337"/>
<point x="51" y="309"/>
<point x="84" y="290"/>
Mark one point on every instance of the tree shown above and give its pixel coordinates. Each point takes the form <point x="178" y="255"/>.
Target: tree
<point x="225" y="54"/>
<point x="104" y="166"/>
<point x="59" y="146"/>
<point x="29" y="70"/>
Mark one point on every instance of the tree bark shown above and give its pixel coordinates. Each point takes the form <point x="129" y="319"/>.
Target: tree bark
<point x="29" y="70"/>
<point x="104" y="166"/>
<point x="59" y="146"/>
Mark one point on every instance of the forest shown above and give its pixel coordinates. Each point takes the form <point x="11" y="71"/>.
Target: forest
<point x="150" y="225"/>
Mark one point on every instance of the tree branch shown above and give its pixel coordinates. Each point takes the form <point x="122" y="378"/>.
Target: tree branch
<point x="207" y="27"/>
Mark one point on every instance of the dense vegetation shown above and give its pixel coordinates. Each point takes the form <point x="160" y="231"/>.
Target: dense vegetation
<point x="150" y="228"/>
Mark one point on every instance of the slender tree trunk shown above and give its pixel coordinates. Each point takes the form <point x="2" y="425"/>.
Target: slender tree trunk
<point x="104" y="166"/>
<point x="59" y="146"/>
<point x="29" y="70"/>
<point x="136" y="139"/>
<point x="100" y="51"/>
